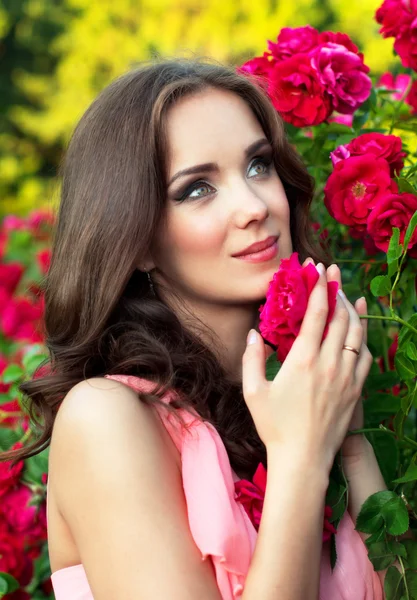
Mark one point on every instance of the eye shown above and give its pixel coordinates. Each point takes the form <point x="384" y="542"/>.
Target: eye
<point x="199" y="189"/>
<point x="260" y="166"/>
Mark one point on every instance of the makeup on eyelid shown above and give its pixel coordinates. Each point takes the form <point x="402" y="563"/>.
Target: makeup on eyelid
<point x="185" y="191"/>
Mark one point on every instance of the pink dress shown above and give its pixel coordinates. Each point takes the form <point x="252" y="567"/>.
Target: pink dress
<point x="220" y="526"/>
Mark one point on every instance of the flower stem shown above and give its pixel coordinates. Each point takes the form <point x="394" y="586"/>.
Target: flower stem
<point x="392" y="318"/>
<point x="361" y="262"/>
<point x="383" y="429"/>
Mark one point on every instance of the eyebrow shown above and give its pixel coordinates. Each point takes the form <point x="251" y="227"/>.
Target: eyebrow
<point x="212" y="167"/>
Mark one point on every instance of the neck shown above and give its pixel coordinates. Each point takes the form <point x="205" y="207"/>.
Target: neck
<point x="225" y="331"/>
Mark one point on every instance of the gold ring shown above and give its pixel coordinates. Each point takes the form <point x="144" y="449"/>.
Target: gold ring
<point x="351" y="349"/>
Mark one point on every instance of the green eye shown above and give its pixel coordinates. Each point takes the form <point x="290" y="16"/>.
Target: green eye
<point x="260" y="166"/>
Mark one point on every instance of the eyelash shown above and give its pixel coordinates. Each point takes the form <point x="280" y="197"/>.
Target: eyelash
<point x="200" y="183"/>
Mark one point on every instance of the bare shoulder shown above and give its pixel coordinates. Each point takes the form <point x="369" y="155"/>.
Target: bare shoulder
<point x="100" y="420"/>
<point x="120" y="492"/>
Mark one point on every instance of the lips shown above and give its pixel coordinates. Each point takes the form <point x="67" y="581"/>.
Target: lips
<point x="258" y="246"/>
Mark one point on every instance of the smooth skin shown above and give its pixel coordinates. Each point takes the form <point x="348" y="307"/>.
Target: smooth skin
<point x="116" y="502"/>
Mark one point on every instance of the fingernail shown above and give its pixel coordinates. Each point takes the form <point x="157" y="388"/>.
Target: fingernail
<point x="341" y="294"/>
<point x="251" y="337"/>
<point x="320" y="268"/>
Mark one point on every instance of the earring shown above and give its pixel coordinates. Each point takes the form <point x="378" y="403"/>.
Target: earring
<point x="150" y="283"/>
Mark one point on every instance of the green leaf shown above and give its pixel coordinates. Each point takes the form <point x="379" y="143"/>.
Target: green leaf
<point x="381" y="381"/>
<point x="411" y="547"/>
<point x="411" y="579"/>
<point x="405" y="368"/>
<point x="370" y="518"/>
<point x="410" y="229"/>
<point x="410" y="474"/>
<point x="411" y="351"/>
<point x="382" y="403"/>
<point x="396" y="516"/>
<point x="333" y="552"/>
<point x="405" y="186"/>
<point x="406" y="333"/>
<point x="399" y="421"/>
<point x="12" y="373"/>
<point x="394" y="249"/>
<point x="381" y="555"/>
<point x="272" y="366"/>
<point x="393" y="584"/>
<point x="386" y="452"/>
<point x="393" y="267"/>
<point x="381" y="285"/>
<point x="8" y="584"/>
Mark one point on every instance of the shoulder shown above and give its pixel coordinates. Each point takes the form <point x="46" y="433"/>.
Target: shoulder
<point x="102" y="425"/>
<point x="120" y="492"/>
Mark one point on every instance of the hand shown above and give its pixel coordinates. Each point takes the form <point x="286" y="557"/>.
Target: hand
<point x="354" y="446"/>
<point x="310" y="403"/>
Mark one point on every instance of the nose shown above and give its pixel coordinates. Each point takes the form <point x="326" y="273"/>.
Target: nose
<point x="249" y="206"/>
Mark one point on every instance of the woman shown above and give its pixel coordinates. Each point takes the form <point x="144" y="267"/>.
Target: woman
<point x="174" y="172"/>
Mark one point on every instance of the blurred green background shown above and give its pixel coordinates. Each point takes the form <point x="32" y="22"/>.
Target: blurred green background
<point x="57" y="55"/>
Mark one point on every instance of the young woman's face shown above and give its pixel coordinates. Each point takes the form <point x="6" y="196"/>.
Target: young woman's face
<point x="232" y="199"/>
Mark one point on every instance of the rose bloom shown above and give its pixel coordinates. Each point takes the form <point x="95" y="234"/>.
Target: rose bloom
<point x="394" y="16"/>
<point x="21" y="517"/>
<point x="406" y="45"/>
<point x="282" y="314"/>
<point x="9" y="476"/>
<point x="393" y="210"/>
<point x="294" y="40"/>
<point x="344" y="75"/>
<point x="296" y="92"/>
<point x="399" y="83"/>
<point x="339" y="38"/>
<point x="354" y="188"/>
<point x="382" y="146"/>
<point x="259" y="66"/>
<point x="251" y="495"/>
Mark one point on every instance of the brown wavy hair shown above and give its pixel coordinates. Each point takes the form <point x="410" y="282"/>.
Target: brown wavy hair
<point x="100" y="316"/>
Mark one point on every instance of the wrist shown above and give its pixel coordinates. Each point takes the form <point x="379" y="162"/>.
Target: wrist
<point x="357" y="451"/>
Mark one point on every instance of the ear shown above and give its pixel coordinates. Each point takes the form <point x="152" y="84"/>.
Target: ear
<point x="146" y="264"/>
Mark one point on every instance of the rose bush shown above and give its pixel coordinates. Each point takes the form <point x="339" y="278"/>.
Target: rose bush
<point x="355" y="132"/>
<point x="365" y="168"/>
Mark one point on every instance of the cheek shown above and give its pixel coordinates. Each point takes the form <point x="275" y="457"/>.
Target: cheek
<point x="200" y="234"/>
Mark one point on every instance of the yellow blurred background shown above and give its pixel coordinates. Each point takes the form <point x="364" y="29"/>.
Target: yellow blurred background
<point x="56" y="57"/>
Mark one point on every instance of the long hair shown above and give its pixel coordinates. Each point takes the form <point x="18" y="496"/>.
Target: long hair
<point x="100" y="316"/>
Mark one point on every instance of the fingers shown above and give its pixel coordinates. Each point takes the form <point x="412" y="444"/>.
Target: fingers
<point x="338" y="330"/>
<point x="354" y="336"/>
<point x="314" y="322"/>
<point x="253" y="365"/>
<point x="362" y="309"/>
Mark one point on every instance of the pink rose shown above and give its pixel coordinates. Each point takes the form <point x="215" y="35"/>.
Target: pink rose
<point x="23" y="518"/>
<point x="297" y="93"/>
<point x="339" y="38"/>
<point x="382" y="146"/>
<point x="344" y="75"/>
<point x="10" y="276"/>
<point x="259" y="66"/>
<point x="393" y="210"/>
<point x="286" y="303"/>
<point x="9" y="476"/>
<point x="394" y="16"/>
<point x="294" y="40"/>
<point x="328" y="528"/>
<point x="342" y="119"/>
<point x="354" y="188"/>
<point x="251" y="495"/>
<point x="399" y="83"/>
<point x="406" y="45"/>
